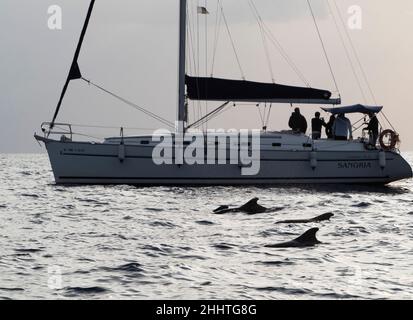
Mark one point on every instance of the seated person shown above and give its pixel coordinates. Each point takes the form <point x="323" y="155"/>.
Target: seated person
<point x="316" y="125"/>
<point x="297" y="122"/>
<point x="342" y="128"/>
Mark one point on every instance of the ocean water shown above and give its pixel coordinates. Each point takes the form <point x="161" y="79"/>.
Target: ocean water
<point x="124" y="242"/>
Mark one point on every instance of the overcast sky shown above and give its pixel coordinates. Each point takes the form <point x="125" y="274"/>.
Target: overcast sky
<point x="131" y="48"/>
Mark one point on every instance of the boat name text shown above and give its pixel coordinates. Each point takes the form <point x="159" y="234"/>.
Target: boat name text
<point x="354" y="165"/>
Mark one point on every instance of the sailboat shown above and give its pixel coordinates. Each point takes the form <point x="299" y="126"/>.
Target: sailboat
<point x="281" y="157"/>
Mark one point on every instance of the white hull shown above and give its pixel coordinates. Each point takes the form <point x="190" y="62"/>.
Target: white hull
<point x="99" y="163"/>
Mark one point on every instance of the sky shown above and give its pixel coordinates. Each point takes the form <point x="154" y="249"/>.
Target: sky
<point x="131" y="48"/>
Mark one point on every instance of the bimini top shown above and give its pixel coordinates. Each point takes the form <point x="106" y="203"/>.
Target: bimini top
<point x="357" y="108"/>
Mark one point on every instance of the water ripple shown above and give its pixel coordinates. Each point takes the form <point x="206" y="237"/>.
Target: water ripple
<point x="125" y="242"/>
<point x="79" y="291"/>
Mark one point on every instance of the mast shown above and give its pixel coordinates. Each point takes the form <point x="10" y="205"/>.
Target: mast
<point x="181" y="80"/>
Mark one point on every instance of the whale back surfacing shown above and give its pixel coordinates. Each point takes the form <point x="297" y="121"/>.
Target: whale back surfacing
<point x="323" y="217"/>
<point x="308" y="239"/>
<point x="221" y="208"/>
<point x="251" y="207"/>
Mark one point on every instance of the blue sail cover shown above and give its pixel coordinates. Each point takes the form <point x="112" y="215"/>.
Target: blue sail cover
<point x="215" y="89"/>
<point x="357" y="108"/>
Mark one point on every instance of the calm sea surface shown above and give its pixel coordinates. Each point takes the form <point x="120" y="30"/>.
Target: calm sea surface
<point x="123" y="242"/>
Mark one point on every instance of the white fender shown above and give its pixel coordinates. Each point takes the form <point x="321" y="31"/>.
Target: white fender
<point x="122" y="152"/>
<point x="382" y="159"/>
<point x="313" y="160"/>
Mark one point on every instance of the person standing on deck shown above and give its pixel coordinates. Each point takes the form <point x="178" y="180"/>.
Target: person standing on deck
<point x="316" y="125"/>
<point x="373" y="128"/>
<point x="297" y="122"/>
<point x="329" y="127"/>
<point x="342" y="128"/>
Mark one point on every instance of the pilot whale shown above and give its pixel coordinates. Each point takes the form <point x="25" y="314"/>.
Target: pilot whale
<point x="308" y="239"/>
<point x="323" y="217"/>
<point x="251" y="207"/>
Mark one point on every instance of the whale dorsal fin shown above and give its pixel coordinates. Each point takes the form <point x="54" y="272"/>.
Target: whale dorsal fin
<point x="252" y="207"/>
<point x="252" y="201"/>
<point x="250" y="204"/>
<point x="309" y="237"/>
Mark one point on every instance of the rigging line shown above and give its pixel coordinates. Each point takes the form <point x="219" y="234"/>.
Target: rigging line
<point x="191" y="19"/>
<point x="347" y="52"/>
<point x="268" y="115"/>
<point x="322" y="44"/>
<point x="198" y="51"/>
<point x="217" y="34"/>
<point x="73" y="133"/>
<point x="267" y="54"/>
<point x="190" y="46"/>
<point x="87" y="136"/>
<point x="356" y="54"/>
<point x="279" y="47"/>
<point x="196" y="104"/>
<point x="131" y="104"/>
<point x="193" y="54"/>
<point x="265" y="44"/>
<point x="387" y="119"/>
<point x="206" y="40"/>
<point x="74" y="72"/>
<point x="261" y="116"/>
<point x="76" y="125"/>
<point x="217" y="113"/>
<point x="220" y="113"/>
<point x="355" y="129"/>
<point x="245" y="104"/>
<point x="206" y="56"/>
<point x="232" y="42"/>
<point x="213" y="116"/>
<point x="191" y="43"/>
<point x="188" y="52"/>
<point x="199" y="122"/>
<point x="362" y="119"/>
<point x="197" y="40"/>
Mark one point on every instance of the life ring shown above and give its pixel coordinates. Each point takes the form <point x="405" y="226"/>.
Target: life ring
<point x="388" y="140"/>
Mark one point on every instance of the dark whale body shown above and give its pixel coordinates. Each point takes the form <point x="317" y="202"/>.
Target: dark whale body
<point x="323" y="217"/>
<point x="308" y="239"/>
<point x="251" y="207"/>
